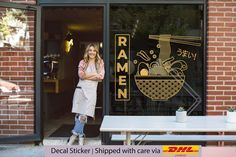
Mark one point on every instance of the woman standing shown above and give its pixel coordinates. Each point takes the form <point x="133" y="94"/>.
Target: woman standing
<point x="91" y="71"/>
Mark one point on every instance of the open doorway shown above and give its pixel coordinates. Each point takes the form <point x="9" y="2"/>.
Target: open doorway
<point x="66" y="32"/>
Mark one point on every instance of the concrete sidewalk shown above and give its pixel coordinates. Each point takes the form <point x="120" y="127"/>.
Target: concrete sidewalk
<point x="19" y="150"/>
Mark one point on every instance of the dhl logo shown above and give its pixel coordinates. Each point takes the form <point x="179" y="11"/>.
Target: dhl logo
<point x="181" y="149"/>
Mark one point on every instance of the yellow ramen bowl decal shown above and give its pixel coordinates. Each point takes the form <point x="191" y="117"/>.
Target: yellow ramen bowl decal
<point x="159" y="87"/>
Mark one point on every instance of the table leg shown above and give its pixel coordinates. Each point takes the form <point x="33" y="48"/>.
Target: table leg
<point x="221" y="143"/>
<point x="128" y="138"/>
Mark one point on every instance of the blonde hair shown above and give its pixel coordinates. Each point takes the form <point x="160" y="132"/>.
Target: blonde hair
<point x="98" y="59"/>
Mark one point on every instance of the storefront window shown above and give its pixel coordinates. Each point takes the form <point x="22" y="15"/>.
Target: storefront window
<point x="17" y="72"/>
<point x="156" y="59"/>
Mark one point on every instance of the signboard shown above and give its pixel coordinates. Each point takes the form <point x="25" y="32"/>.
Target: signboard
<point x="122" y="67"/>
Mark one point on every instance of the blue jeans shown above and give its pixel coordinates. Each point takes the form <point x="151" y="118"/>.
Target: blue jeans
<point x="78" y="129"/>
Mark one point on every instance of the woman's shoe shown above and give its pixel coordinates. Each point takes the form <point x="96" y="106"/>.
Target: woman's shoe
<point x="72" y="140"/>
<point x="81" y="140"/>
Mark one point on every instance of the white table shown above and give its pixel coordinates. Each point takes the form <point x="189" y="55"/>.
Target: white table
<point x="131" y="124"/>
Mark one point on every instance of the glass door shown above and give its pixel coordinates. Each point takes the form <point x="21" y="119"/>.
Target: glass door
<point x="19" y="73"/>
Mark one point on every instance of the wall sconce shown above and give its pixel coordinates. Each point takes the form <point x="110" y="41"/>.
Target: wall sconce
<point x="68" y="42"/>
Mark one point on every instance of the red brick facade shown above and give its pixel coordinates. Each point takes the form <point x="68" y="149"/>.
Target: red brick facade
<point x="221" y="72"/>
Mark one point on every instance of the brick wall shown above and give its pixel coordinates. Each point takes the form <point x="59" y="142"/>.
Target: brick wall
<point x="221" y="56"/>
<point x="17" y="65"/>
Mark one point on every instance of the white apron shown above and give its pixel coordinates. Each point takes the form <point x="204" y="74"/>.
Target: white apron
<point x="85" y="95"/>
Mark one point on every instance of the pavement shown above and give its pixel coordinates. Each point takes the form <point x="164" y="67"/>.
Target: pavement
<point x="16" y="150"/>
<point x="30" y="150"/>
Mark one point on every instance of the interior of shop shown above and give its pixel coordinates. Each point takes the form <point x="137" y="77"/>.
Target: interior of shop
<point x="66" y="32"/>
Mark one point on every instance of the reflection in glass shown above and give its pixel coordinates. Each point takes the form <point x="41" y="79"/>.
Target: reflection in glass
<point x="13" y="28"/>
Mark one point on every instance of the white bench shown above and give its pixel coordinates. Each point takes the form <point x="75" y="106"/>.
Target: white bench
<point x="128" y="126"/>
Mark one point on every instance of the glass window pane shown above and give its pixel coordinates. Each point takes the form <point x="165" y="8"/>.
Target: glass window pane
<point x="17" y="71"/>
<point x="162" y="48"/>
